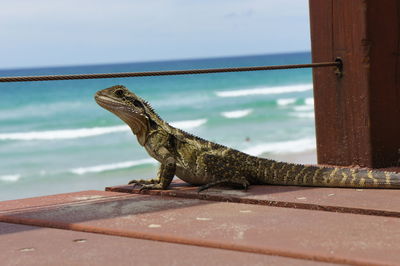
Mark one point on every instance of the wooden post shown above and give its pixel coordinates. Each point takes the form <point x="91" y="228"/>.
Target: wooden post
<point x="358" y="114"/>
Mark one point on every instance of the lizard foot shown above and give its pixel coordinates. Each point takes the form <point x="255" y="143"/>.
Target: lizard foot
<point x="151" y="186"/>
<point x="143" y="182"/>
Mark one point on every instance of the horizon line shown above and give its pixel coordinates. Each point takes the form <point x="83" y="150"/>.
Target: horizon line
<point x="149" y="61"/>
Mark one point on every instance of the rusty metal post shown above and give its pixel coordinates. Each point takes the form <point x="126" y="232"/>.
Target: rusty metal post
<point x="358" y="114"/>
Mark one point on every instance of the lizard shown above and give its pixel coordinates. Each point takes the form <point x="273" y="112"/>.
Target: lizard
<point x="206" y="164"/>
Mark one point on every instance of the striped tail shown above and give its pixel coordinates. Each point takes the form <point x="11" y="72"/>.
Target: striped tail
<point x="301" y="175"/>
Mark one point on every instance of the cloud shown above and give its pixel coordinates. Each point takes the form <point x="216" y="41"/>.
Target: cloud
<point x="45" y="32"/>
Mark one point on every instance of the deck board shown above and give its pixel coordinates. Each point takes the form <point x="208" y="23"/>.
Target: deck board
<point x="304" y="234"/>
<point x="30" y="245"/>
<point x="378" y="202"/>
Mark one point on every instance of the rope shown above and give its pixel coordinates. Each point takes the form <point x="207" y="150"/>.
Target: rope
<point x="165" y="73"/>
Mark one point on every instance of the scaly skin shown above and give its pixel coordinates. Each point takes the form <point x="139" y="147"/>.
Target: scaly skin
<point x="206" y="164"/>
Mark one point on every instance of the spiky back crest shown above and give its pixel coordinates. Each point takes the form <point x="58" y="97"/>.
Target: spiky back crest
<point x="180" y="134"/>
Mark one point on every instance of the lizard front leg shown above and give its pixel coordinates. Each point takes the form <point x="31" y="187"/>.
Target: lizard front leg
<point x="165" y="174"/>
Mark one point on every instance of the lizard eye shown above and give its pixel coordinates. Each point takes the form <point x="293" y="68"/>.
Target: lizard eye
<point x="119" y="93"/>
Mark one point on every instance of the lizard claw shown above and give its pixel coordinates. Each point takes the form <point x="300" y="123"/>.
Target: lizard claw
<point x="142" y="182"/>
<point x="133" y="184"/>
<point x="150" y="186"/>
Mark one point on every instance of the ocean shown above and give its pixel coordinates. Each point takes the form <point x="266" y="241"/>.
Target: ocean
<point x="54" y="138"/>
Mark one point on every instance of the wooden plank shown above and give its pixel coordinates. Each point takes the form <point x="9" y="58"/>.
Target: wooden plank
<point x="378" y="202"/>
<point x="293" y="233"/>
<point x="58" y="199"/>
<point x="31" y="245"/>
<point x="357" y="115"/>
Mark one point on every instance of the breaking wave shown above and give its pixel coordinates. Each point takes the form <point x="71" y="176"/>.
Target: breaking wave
<point x="265" y="90"/>
<point x="237" y="113"/>
<point x="10" y="178"/>
<point x="109" y="167"/>
<point x="86" y="132"/>
<point x="189" y="124"/>
<point x="292" y="146"/>
<point x="309" y="101"/>
<point x="303" y="115"/>
<point x="304" y="111"/>
<point x="286" y="101"/>
<point x="303" y="108"/>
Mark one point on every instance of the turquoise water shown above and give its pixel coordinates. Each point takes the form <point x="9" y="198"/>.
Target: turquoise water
<point x="54" y="138"/>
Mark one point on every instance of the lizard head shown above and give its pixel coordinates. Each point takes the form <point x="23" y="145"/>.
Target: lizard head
<point x="132" y="109"/>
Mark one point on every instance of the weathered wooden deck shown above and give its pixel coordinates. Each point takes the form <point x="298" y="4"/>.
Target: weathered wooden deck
<point x="267" y="225"/>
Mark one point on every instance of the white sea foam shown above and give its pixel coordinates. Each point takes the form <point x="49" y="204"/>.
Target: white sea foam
<point x="188" y="124"/>
<point x="286" y="101"/>
<point x="109" y="167"/>
<point x="10" y="178"/>
<point x="302" y="108"/>
<point x="63" y="134"/>
<point x="306" y="110"/>
<point x="309" y="101"/>
<point x="86" y="132"/>
<point x="237" y="113"/>
<point x="265" y="90"/>
<point x="291" y="146"/>
<point x="303" y="114"/>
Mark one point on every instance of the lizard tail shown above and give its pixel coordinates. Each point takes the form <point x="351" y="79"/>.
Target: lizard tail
<point x="301" y="175"/>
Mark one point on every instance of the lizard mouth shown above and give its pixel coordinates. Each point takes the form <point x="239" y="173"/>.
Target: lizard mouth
<point x="115" y="106"/>
<point x="107" y="102"/>
<point x="136" y="121"/>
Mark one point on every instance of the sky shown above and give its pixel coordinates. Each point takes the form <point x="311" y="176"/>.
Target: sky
<point x="37" y="33"/>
